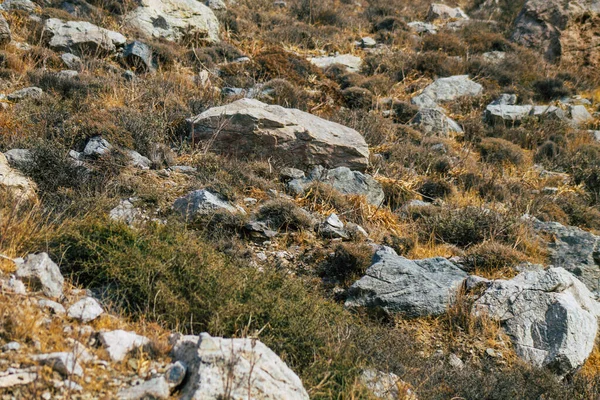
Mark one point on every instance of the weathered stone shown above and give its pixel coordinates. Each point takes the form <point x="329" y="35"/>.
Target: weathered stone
<point x="175" y="374"/>
<point x="72" y="61"/>
<point x="434" y="122"/>
<point x="423" y="27"/>
<point x="19" y="158"/>
<point x="259" y="230"/>
<point x="56" y="308"/>
<point x="550" y="316"/>
<point x="288" y="174"/>
<point x="414" y="288"/>
<point x="14" y="285"/>
<point x="22" y="5"/>
<point x="64" y="363"/>
<point x="216" y="4"/>
<point x="505" y="99"/>
<point x="41" y="273"/>
<point x="494" y="56"/>
<point x="202" y="202"/>
<point x="85" y="310"/>
<point x="351" y="62"/>
<point x="81" y="37"/>
<point x="126" y="212"/>
<point x="17" y="183"/>
<point x="447" y="89"/>
<point x="155" y="389"/>
<point x="26" y="93"/>
<point x="442" y="11"/>
<point x="333" y="228"/>
<point x="5" y="34"/>
<point x="138" y="55"/>
<point x="386" y="385"/>
<point x="118" y="343"/>
<point x="573" y="249"/>
<point x="240" y="368"/>
<point x="137" y="160"/>
<point x="344" y="181"/>
<point x="96" y="147"/>
<point x="17" y="379"/>
<point x="580" y="115"/>
<point x="175" y="20"/>
<point x="11" y="346"/>
<point x="248" y="127"/>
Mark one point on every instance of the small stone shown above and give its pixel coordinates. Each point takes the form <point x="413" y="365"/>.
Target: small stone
<point x="12" y="346"/>
<point x="39" y="271"/>
<point x="64" y="363"/>
<point x="156" y="388"/>
<point x="15" y="286"/>
<point x="96" y="147"/>
<point x="26" y="93"/>
<point x="490" y="352"/>
<point x="55" y="307"/>
<point x="455" y="361"/>
<point x="175" y="374"/>
<point x="85" y="310"/>
<point x="17" y="378"/>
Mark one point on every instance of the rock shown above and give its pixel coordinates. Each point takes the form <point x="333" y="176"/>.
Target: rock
<point x="343" y="180"/>
<point x="455" y="361"/>
<point x="126" y="212"/>
<point x="175" y="374"/>
<point x="72" y="61"/>
<point x="333" y="228"/>
<point x="505" y="99"/>
<point x="14" y="285"/>
<point x="434" y="122"/>
<point x="137" y="160"/>
<point x="550" y="316"/>
<point x="575" y="250"/>
<point x="67" y="74"/>
<point x="138" y="55"/>
<point x="64" y="363"/>
<point x="494" y="56"/>
<point x="5" y="34"/>
<point x="595" y="135"/>
<point x="580" y="115"/>
<point x="96" y="147"/>
<point x="202" y="202"/>
<point x="22" y="5"/>
<point x="240" y="368"/>
<point x="447" y="89"/>
<point x="366" y="43"/>
<point x="17" y="183"/>
<point x="288" y="174"/>
<point x="41" y="273"/>
<point x="118" y="343"/>
<point x="558" y="28"/>
<point x="11" y="346"/>
<point x="352" y="63"/>
<point x="155" y="389"/>
<point x="415" y="288"/>
<point x="423" y="27"/>
<point x="56" y="308"/>
<point x="81" y="37"/>
<point x="19" y="158"/>
<point x="17" y="379"/>
<point x="85" y="310"/>
<point x="26" y="93"/>
<point x="259" y="230"/>
<point x="248" y="127"/>
<point x="442" y="11"/>
<point x="175" y="20"/>
<point x="216" y="4"/>
<point x="386" y="385"/>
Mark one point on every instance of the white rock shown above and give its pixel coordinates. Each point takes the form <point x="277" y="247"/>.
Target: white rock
<point x="17" y="183"/>
<point x="81" y="37"/>
<point x="156" y="388"/>
<point x="242" y="368"/>
<point x="64" y="363"/>
<point x="85" y="310"/>
<point x="447" y="89"/>
<point x="118" y="343"/>
<point x="351" y="62"/>
<point x="17" y="379"/>
<point x="40" y="272"/>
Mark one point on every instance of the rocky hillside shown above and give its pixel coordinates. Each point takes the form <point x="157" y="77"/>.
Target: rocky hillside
<point x="292" y="199"/>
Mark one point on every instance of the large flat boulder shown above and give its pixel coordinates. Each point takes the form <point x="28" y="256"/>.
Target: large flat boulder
<point x="250" y="128"/>
<point x="447" y="89"/>
<point x="573" y="249"/>
<point x="81" y="37"/>
<point x="235" y="369"/>
<point x="414" y="288"/>
<point x="175" y="20"/>
<point x="550" y="315"/>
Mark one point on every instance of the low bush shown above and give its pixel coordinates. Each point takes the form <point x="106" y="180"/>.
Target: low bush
<point x="349" y="262"/>
<point x="357" y="98"/>
<point x="285" y="94"/>
<point x="500" y="151"/>
<point x="550" y="89"/>
<point x="468" y="226"/>
<point x="284" y="215"/>
<point x="433" y="189"/>
<point x="492" y="257"/>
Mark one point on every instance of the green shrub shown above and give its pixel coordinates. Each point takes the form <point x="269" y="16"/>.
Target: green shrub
<point x="284" y="215"/>
<point x="468" y="226"/>
<point x="495" y="150"/>
<point x="492" y="256"/>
